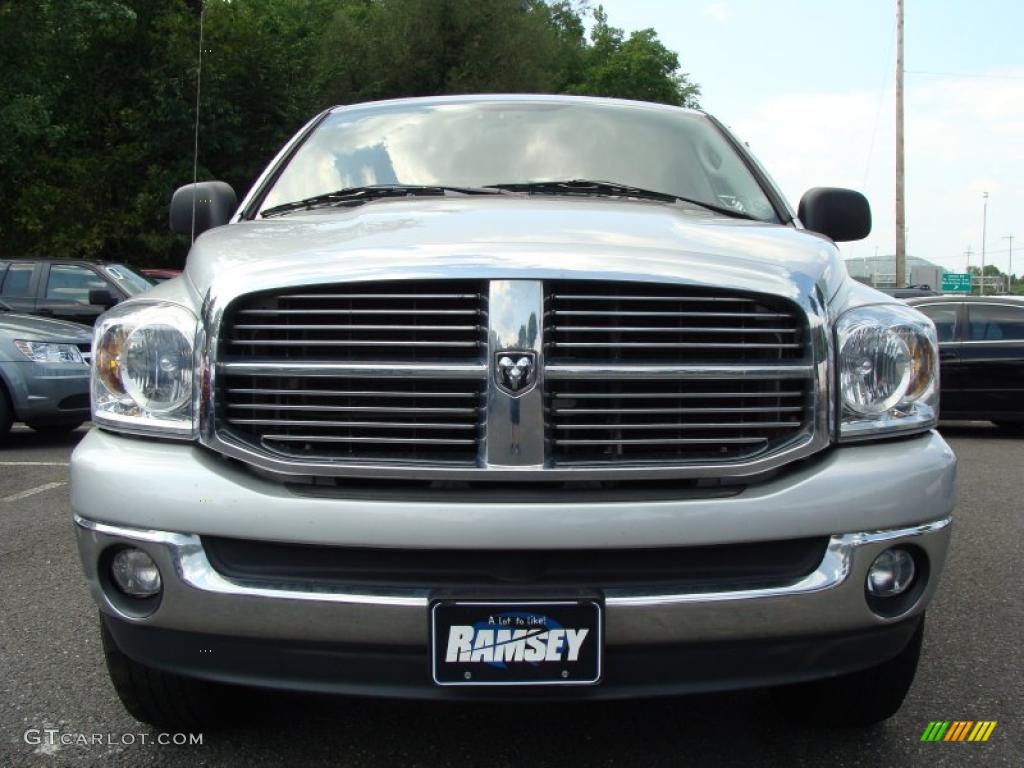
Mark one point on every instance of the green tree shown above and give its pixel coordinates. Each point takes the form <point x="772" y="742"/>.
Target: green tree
<point x="637" y="67"/>
<point x="98" y="97"/>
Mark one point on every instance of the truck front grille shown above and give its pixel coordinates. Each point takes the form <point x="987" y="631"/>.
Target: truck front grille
<point x="400" y="374"/>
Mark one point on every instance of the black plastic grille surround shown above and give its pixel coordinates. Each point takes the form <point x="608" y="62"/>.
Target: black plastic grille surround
<point x="729" y="566"/>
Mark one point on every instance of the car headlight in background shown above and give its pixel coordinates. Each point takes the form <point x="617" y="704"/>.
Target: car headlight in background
<point x="50" y="352"/>
<point x="888" y="378"/>
<point x="143" y="361"/>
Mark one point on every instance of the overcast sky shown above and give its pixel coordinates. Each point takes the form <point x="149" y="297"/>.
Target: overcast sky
<point x="809" y="84"/>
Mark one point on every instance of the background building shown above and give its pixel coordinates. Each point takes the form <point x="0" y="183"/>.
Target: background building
<point x="880" y="271"/>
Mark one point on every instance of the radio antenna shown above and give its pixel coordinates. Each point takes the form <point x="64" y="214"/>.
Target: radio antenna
<point x="195" y="148"/>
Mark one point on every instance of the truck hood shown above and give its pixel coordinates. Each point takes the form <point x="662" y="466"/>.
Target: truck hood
<point x="31" y="328"/>
<point x="506" y="237"/>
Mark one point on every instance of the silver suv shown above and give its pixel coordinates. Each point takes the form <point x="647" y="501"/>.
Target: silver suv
<point x="513" y="397"/>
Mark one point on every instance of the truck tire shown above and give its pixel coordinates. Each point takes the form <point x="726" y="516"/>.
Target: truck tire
<point x="1011" y="427"/>
<point x="58" y="428"/>
<point x="6" y="412"/>
<point x="163" y="699"/>
<point x="857" y="699"/>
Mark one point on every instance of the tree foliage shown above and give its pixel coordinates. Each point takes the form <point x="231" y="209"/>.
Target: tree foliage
<point x="97" y="97"/>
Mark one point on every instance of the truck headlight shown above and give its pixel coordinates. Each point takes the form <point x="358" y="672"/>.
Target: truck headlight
<point x="888" y="379"/>
<point x="142" y="381"/>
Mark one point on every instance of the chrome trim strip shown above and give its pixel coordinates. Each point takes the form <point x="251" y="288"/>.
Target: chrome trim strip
<point x="513" y="433"/>
<point x="833" y="570"/>
<point x="195" y="570"/>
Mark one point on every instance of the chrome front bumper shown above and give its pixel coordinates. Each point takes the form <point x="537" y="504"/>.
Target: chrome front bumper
<point x="196" y="598"/>
<point x="165" y="497"/>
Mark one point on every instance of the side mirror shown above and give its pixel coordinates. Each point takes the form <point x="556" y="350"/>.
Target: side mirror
<point x="841" y="214"/>
<point x="215" y="203"/>
<point x="102" y="297"/>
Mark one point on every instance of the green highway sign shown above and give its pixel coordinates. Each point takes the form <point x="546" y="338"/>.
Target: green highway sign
<point x="956" y="282"/>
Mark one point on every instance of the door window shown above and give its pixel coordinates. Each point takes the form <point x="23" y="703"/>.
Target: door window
<point x="69" y="282"/>
<point x="16" y="281"/>
<point x="995" y="322"/>
<point x="946" y="318"/>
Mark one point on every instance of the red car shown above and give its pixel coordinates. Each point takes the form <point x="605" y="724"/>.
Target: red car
<point x="159" y="275"/>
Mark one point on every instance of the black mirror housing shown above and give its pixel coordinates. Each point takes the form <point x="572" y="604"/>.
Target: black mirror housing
<point x="215" y="204"/>
<point x="841" y="214"/>
<point x="102" y="297"/>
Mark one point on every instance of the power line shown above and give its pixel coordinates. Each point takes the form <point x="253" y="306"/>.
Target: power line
<point x="963" y="74"/>
<point x="878" y="108"/>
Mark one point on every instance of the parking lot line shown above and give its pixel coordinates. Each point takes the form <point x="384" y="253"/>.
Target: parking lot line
<point x="35" y="463"/>
<point x="33" y="491"/>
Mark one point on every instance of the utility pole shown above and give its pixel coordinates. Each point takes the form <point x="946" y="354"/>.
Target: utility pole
<point x="984" y="225"/>
<point x="1010" y="270"/>
<point x="968" y="253"/>
<point x="901" y="217"/>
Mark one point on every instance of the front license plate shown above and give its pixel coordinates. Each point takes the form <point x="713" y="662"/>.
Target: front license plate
<point x="516" y="643"/>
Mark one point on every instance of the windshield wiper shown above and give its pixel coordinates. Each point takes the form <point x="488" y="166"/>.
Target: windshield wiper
<point x="612" y="189"/>
<point x="360" y="195"/>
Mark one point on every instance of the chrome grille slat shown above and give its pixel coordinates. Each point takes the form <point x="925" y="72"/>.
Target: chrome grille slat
<point x="350" y="327"/>
<point x="374" y="440"/>
<point x="354" y="424"/>
<point x="659" y="329"/>
<point x="433" y="344"/>
<point x="351" y="409"/>
<point x="579" y="411"/>
<point x="684" y="425"/>
<point x="342" y="393"/>
<point x="650" y="298"/>
<point x="671" y="441"/>
<point x="396" y="311"/>
<point x="618" y="313"/>
<point x="672" y="395"/>
<point x="582" y="371"/>
<point x="265" y="367"/>
<point x="668" y="345"/>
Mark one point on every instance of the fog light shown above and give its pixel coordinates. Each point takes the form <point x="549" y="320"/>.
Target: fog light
<point x="891" y="574"/>
<point x="135" y="573"/>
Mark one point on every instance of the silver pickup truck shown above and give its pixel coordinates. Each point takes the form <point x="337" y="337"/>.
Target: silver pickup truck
<point x="513" y="397"/>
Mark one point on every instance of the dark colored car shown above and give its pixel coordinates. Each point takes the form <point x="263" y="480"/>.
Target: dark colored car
<point x="981" y="345"/>
<point x="75" y="290"/>
<point x="910" y="292"/>
<point x="159" y="275"/>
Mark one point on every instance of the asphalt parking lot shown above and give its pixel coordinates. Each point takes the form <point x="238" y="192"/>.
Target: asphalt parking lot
<point x="53" y="675"/>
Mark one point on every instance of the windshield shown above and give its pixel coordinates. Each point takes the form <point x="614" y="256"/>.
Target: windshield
<point x="476" y="144"/>
<point x="128" y="280"/>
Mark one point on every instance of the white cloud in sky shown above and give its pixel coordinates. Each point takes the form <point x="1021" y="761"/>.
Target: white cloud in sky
<point x="718" y="11"/>
<point x="963" y="136"/>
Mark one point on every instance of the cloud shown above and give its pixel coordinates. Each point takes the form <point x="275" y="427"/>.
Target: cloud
<point x="963" y="136"/>
<point x="718" y="11"/>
